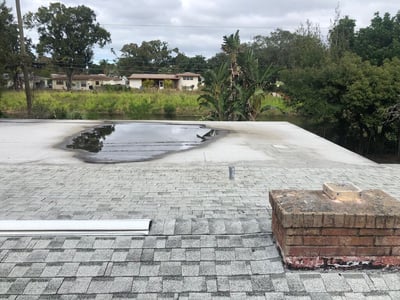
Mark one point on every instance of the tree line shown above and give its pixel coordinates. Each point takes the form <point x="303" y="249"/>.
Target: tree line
<point x="346" y="83"/>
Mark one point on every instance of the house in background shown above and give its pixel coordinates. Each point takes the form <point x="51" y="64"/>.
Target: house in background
<point x="85" y="82"/>
<point x="183" y="81"/>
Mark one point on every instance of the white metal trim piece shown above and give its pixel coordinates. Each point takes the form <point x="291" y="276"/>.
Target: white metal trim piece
<point x="75" y="227"/>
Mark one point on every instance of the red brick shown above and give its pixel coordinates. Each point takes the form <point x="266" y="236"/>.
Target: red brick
<point x="397" y="223"/>
<point x="318" y="220"/>
<point x="396" y="232"/>
<point x="387" y="241"/>
<point x="297" y="220"/>
<point x="339" y="220"/>
<point x="293" y="240"/>
<point x="308" y="220"/>
<point x="302" y="251"/>
<point x="390" y="222"/>
<point x="359" y="221"/>
<point x="295" y="231"/>
<point x="396" y="251"/>
<point x="337" y="251"/>
<point x="372" y="251"/>
<point x="286" y="219"/>
<point x="312" y="231"/>
<point x="356" y="241"/>
<point x="380" y="221"/>
<point x="328" y="220"/>
<point x="369" y="221"/>
<point x="374" y="232"/>
<point x="349" y="221"/>
<point x="339" y="231"/>
<point x="320" y="240"/>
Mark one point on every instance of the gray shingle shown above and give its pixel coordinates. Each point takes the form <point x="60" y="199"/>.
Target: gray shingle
<point x="183" y="226"/>
<point x="240" y="284"/>
<point x="147" y="255"/>
<point x="19" y="270"/>
<point x="200" y="226"/>
<point x="68" y="270"/>
<point x="191" y="242"/>
<point x="5" y="284"/>
<point x="216" y="226"/>
<point x="155" y="285"/>
<point x="51" y="270"/>
<point x="121" y="285"/>
<point x="223" y="284"/>
<point x="207" y="268"/>
<point x="312" y="283"/>
<point x="149" y="269"/>
<point x="190" y="268"/>
<point x="357" y="282"/>
<point x="223" y="268"/>
<point x="36" y="286"/>
<point x="162" y="254"/>
<point x="224" y="254"/>
<point x="103" y="243"/>
<point x="172" y="284"/>
<point x="91" y="269"/>
<point x="100" y="285"/>
<point x="169" y="268"/>
<point x="194" y="284"/>
<point x="74" y="285"/>
<point x="139" y="284"/>
<point x="334" y="282"/>
<point x="5" y="269"/>
<point x="83" y="255"/>
<point x="125" y="269"/>
<point x="280" y="283"/>
<point x="119" y="255"/>
<point x="53" y="286"/>
<point x="207" y="254"/>
<point x="173" y="242"/>
<point x="192" y="255"/>
<point x="102" y="255"/>
<point x="240" y="268"/>
<point x="35" y="270"/>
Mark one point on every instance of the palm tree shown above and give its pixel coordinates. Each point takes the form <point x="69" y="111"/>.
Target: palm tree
<point x="217" y="93"/>
<point x="251" y="86"/>
<point x="231" y="46"/>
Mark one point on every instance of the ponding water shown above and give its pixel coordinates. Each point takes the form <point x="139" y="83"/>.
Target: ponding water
<point x="138" y="141"/>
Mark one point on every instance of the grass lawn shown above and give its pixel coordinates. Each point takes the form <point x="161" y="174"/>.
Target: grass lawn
<point x="114" y="105"/>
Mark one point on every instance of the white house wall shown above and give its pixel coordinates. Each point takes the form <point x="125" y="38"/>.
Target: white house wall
<point x="135" y="83"/>
<point x="185" y="84"/>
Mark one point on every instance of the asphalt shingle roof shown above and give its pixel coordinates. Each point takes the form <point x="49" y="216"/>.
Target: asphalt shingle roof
<point x="210" y="237"/>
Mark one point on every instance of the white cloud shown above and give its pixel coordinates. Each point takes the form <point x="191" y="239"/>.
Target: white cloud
<point x="197" y="27"/>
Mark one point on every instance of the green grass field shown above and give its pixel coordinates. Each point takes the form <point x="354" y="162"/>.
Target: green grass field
<point x="114" y="105"/>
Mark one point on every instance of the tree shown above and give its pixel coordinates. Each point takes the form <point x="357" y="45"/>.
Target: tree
<point x="283" y="49"/>
<point x="341" y="37"/>
<point x="149" y="57"/>
<point x="235" y="89"/>
<point x="349" y="95"/>
<point x="380" y="40"/>
<point x="9" y="46"/>
<point x="217" y="93"/>
<point x="251" y="86"/>
<point x="232" y="47"/>
<point x="68" y="34"/>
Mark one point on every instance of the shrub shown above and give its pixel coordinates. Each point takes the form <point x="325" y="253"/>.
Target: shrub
<point x="169" y="111"/>
<point x="139" y="110"/>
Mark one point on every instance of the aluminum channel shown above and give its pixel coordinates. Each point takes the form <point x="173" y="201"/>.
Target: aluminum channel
<point x="74" y="227"/>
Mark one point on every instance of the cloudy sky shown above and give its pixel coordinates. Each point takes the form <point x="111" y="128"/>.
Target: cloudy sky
<point x="197" y="26"/>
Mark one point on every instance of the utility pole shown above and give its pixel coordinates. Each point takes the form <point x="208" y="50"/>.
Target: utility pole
<point x="24" y="59"/>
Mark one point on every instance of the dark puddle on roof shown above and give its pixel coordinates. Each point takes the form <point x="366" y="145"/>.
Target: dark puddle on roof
<point x="129" y="142"/>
